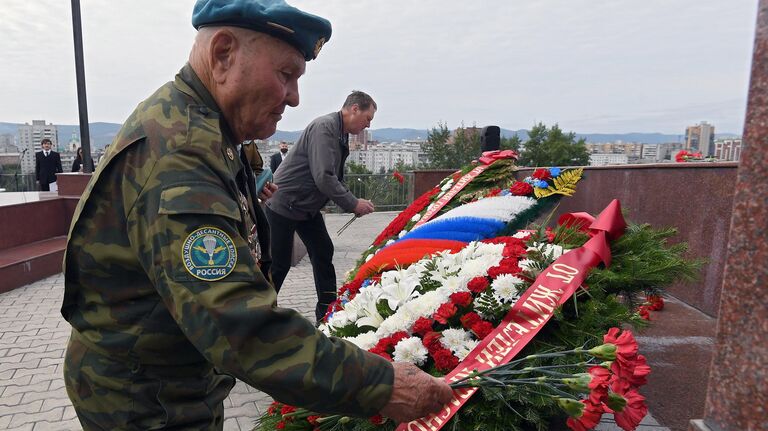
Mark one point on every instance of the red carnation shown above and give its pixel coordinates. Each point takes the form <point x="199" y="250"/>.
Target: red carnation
<point x="478" y="284"/>
<point x="377" y="420"/>
<point x="587" y="419"/>
<point x="445" y="360"/>
<point x="280" y="425"/>
<point x="313" y="419"/>
<point x="643" y="311"/>
<point x="461" y="299"/>
<point x="640" y="372"/>
<point x="381" y="352"/>
<point x="482" y="329"/>
<point x="445" y="312"/>
<point x="541" y="174"/>
<point x="399" y="177"/>
<point x="287" y="409"/>
<point x="273" y="407"/>
<point x="493" y="192"/>
<point x="656" y="301"/>
<point x="521" y="188"/>
<point x="422" y="326"/>
<point x="628" y="408"/>
<point x="397" y="337"/>
<point x="598" y="386"/>
<point x="431" y="341"/>
<point x="469" y="319"/>
<point x="626" y="346"/>
<point x="506" y="266"/>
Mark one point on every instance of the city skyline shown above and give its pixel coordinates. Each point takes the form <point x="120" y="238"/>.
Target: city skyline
<point x="591" y="67"/>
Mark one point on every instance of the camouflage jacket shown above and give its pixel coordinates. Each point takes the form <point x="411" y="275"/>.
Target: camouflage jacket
<point x="158" y="268"/>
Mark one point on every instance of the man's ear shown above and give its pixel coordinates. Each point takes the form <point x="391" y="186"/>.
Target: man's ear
<point x="223" y="53"/>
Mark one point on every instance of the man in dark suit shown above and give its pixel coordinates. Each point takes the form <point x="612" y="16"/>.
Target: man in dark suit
<point x="277" y="158"/>
<point x="47" y="165"/>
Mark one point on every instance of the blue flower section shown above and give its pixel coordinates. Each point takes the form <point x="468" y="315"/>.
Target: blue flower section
<point x="529" y="180"/>
<point x="555" y="172"/>
<point x="464" y="229"/>
<point x="541" y="184"/>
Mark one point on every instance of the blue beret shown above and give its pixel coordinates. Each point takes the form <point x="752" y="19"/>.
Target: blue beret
<point x="304" y="31"/>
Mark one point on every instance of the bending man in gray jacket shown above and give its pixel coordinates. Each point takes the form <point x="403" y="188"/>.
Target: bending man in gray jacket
<point x="309" y="176"/>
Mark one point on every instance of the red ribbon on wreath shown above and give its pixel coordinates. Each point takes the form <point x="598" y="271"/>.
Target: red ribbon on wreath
<point x="489" y="157"/>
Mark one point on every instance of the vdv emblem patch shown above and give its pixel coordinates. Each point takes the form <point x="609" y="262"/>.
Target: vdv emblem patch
<point x="209" y="254"/>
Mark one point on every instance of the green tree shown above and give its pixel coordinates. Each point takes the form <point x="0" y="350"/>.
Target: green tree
<point x="356" y="168"/>
<point x="552" y="147"/>
<point x="512" y="143"/>
<point x="446" y="153"/>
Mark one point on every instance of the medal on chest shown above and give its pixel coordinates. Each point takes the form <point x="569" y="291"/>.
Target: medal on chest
<point x="253" y="237"/>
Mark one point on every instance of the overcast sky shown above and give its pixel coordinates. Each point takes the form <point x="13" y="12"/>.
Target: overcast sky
<point x="610" y="66"/>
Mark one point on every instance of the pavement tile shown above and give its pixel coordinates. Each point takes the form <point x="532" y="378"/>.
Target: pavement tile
<point x="32" y="407"/>
<point x="36" y="372"/>
<point x="70" y="425"/>
<point x="232" y="425"/>
<point x="20" y="389"/>
<point x="20" y="419"/>
<point x="14" y="400"/>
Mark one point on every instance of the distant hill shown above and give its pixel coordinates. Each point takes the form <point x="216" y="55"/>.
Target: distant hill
<point x="103" y="134"/>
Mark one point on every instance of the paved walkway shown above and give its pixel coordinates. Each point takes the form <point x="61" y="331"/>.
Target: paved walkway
<point x="33" y="337"/>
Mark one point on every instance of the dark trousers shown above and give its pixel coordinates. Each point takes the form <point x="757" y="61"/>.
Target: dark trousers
<point x="314" y="235"/>
<point x="44" y="186"/>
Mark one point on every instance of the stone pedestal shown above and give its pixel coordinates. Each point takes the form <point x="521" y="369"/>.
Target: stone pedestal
<point x="72" y="184"/>
<point x="737" y="396"/>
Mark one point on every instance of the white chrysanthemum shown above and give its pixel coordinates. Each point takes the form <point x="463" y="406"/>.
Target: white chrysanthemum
<point x="406" y="316"/>
<point x="478" y="266"/>
<point x="410" y="350"/>
<point x="390" y="242"/>
<point x="454" y="338"/>
<point x="505" y="288"/>
<point x="448" y="184"/>
<point x="364" y="341"/>
<point x="426" y="304"/>
<point x="465" y="348"/>
<point x="402" y="234"/>
<point x="522" y="235"/>
<point x="369" y="257"/>
<point x="416" y="217"/>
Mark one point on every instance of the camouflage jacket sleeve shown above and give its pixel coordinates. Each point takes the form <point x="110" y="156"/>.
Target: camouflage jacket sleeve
<point x="233" y="321"/>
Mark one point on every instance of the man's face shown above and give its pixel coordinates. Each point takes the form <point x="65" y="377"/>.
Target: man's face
<point x="283" y="147"/>
<point x="360" y="120"/>
<point x="47" y="146"/>
<point x="264" y="81"/>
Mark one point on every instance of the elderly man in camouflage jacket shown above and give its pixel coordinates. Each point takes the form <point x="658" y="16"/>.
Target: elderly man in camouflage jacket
<point x="163" y="289"/>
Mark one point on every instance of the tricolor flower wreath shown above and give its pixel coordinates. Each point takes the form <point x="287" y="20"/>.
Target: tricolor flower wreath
<point x="436" y="295"/>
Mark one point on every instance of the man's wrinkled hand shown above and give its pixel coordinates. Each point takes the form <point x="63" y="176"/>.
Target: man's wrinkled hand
<point x="267" y="191"/>
<point x="415" y="394"/>
<point x="363" y="207"/>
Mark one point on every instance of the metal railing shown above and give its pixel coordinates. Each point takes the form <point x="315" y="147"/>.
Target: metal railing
<point x="18" y="182"/>
<point x="384" y="190"/>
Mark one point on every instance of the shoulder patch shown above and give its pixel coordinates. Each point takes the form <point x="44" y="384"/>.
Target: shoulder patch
<point x="209" y="254"/>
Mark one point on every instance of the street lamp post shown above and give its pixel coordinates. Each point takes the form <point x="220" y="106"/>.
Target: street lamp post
<point x="85" y="139"/>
